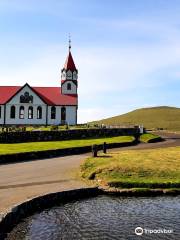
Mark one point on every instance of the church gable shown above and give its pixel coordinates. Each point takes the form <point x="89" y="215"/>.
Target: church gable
<point x="26" y="95"/>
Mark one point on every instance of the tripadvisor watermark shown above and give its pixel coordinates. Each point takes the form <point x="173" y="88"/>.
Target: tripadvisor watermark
<point x="140" y="231"/>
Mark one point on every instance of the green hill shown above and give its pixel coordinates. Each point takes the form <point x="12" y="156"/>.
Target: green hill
<point x="151" y="118"/>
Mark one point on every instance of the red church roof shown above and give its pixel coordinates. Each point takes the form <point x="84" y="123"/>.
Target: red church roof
<point x="69" y="64"/>
<point x="50" y="95"/>
<point x="7" y="92"/>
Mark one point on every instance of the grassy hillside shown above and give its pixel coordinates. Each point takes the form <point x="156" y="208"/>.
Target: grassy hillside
<point x="156" y="117"/>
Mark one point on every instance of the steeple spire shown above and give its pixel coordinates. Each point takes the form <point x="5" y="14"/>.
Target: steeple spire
<point x="69" y="74"/>
<point x="69" y="42"/>
<point x="69" y="64"/>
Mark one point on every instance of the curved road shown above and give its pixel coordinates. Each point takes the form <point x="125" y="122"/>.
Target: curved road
<point x="22" y="181"/>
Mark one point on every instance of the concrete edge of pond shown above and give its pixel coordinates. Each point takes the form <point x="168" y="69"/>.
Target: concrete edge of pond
<point x="38" y="204"/>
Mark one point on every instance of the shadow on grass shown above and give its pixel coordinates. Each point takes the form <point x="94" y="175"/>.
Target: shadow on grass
<point x="104" y="156"/>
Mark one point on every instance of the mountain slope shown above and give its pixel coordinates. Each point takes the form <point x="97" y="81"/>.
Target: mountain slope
<point x="155" y="117"/>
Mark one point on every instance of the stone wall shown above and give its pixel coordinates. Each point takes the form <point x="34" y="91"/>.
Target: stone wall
<point x="28" y="156"/>
<point x="36" y="136"/>
<point x="17" y="213"/>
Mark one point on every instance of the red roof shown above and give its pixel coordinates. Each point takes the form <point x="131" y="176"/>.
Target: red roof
<point x="7" y="92"/>
<point x="53" y="94"/>
<point x="50" y="95"/>
<point x="69" y="64"/>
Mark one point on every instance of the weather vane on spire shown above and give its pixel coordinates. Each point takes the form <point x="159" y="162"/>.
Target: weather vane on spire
<point x="69" y="42"/>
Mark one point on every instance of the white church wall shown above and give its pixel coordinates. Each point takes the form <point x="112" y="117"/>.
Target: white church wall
<point x="25" y="120"/>
<point x="73" y="88"/>
<point x="15" y="101"/>
<point x="70" y="115"/>
<point x="57" y="120"/>
<point x="2" y="115"/>
<point x="16" y="98"/>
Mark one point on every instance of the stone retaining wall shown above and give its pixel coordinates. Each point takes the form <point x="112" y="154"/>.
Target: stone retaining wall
<point x="37" y="136"/>
<point x="17" y="213"/>
<point x="27" y="156"/>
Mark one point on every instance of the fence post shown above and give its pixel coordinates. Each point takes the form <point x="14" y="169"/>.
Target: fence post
<point x="104" y="147"/>
<point x="94" y="150"/>
<point x="137" y="137"/>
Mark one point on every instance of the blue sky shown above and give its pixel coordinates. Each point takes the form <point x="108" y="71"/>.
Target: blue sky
<point x="127" y="52"/>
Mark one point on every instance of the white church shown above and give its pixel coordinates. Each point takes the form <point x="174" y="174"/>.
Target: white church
<point x="28" y="105"/>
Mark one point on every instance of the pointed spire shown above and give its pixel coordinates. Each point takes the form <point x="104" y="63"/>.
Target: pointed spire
<point x="69" y="64"/>
<point x="69" y="42"/>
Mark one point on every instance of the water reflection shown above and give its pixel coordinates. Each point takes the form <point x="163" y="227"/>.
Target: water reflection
<point x="103" y="217"/>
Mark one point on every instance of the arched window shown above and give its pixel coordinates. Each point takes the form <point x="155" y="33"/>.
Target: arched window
<point x="12" y="112"/>
<point x="21" y="112"/>
<point x="39" y="112"/>
<point x="63" y="114"/>
<point x="69" y="86"/>
<point x="53" y="112"/>
<point x="30" y="112"/>
<point x="69" y="74"/>
<point x="74" y="75"/>
<point x="26" y="98"/>
<point x="0" y="111"/>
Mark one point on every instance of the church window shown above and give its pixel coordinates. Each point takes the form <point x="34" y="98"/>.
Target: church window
<point x="21" y="112"/>
<point x="12" y="112"/>
<point x="69" y="86"/>
<point x="53" y="112"/>
<point x="26" y="98"/>
<point x="39" y="112"/>
<point x="69" y="74"/>
<point x="74" y="76"/>
<point x="0" y="111"/>
<point x="63" y="114"/>
<point x="30" y="112"/>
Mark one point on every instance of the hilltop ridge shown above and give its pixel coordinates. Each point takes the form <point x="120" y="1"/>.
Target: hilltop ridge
<point x="153" y="117"/>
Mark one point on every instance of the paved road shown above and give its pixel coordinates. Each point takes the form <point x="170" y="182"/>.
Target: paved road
<point x="22" y="181"/>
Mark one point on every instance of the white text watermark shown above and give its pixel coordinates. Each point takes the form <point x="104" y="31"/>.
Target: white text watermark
<point x="140" y="231"/>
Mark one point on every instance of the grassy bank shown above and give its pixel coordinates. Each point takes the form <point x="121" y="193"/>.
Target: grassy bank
<point x="42" y="146"/>
<point x="149" y="137"/>
<point x="150" y="169"/>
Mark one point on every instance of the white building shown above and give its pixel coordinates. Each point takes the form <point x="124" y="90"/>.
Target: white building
<point x="27" y="105"/>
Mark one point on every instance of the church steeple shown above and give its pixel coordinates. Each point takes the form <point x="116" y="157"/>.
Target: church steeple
<point x="69" y="73"/>
<point x="69" y="64"/>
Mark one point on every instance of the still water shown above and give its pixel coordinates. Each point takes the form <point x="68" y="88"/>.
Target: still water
<point x="104" y="218"/>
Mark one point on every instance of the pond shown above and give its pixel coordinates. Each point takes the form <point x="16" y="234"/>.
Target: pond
<point x="104" y="218"/>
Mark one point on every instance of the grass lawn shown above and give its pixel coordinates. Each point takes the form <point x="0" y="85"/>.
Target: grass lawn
<point x="155" y="168"/>
<point x="40" y="146"/>
<point x="147" y="137"/>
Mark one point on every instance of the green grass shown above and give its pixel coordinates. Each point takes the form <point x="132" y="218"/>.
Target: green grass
<point x="42" y="146"/>
<point x="149" y="137"/>
<point x="151" y="118"/>
<point x="155" y="168"/>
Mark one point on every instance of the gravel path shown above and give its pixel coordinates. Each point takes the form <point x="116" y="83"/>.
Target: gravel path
<point x="22" y="181"/>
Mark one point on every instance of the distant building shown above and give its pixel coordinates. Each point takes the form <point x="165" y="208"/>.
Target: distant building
<point x="28" y="105"/>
